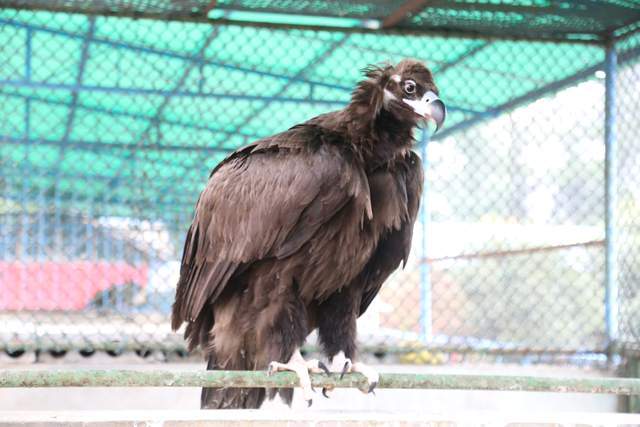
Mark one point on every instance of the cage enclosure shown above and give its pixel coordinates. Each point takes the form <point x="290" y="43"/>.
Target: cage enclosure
<point x="113" y="113"/>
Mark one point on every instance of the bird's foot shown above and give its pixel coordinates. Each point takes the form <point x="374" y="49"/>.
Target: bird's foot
<point x="302" y="368"/>
<point x="342" y="364"/>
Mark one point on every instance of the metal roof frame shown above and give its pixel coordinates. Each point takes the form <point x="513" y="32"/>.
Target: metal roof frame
<point x="374" y="16"/>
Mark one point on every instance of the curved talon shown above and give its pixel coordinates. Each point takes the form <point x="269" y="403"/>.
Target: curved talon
<point x="271" y="369"/>
<point x="345" y="369"/>
<point x="372" y="386"/>
<point x="324" y="392"/>
<point x="302" y="369"/>
<point x="324" y="368"/>
<point x="309" y="402"/>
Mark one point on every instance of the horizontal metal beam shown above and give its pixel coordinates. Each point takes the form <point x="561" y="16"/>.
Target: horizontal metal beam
<point x="631" y="30"/>
<point x="143" y="378"/>
<point x="520" y="100"/>
<point x="552" y="87"/>
<point x="164" y="92"/>
<point x="203" y="61"/>
<point x="189" y="94"/>
<point x="170" y="54"/>
<point x="198" y="59"/>
<point x="99" y="145"/>
<point x="464" y="56"/>
<point x="180" y="182"/>
<point x="589" y="38"/>
<point x="307" y="68"/>
<point x="589" y="9"/>
<point x="514" y="252"/>
<point x="403" y="12"/>
<point x="137" y="116"/>
<point x="138" y="208"/>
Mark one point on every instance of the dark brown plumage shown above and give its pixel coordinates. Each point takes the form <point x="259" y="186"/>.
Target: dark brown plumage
<point x="298" y="231"/>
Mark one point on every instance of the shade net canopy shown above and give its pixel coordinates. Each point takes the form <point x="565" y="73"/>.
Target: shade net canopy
<point x="110" y="98"/>
<point x="567" y="19"/>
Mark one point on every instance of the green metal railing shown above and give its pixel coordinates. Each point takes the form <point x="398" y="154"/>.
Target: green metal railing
<point x="155" y="378"/>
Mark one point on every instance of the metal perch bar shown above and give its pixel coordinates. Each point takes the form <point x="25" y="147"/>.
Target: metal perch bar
<point x="144" y="378"/>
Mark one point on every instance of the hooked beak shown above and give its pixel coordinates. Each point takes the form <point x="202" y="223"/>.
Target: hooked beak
<point x="430" y="107"/>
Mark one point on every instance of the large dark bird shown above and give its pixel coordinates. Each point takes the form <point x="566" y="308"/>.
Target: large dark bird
<point x="299" y="230"/>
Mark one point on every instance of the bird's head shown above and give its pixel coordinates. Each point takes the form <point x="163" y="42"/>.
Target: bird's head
<point x="406" y="91"/>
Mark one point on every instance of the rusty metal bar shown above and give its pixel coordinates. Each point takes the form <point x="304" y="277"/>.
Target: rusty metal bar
<point x="153" y="378"/>
<point x="593" y="39"/>
<point x="505" y="253"/>
<point x="403" y="12"/>
<point x="209" y="7"/>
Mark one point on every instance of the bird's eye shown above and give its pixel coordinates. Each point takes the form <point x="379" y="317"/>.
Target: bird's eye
<point x="410" y="87"/>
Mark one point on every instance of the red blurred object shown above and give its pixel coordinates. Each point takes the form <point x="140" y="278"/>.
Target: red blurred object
<point x="62" y="285"/>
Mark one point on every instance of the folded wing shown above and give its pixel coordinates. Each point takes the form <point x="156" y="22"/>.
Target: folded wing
<point x="264" y="201"/>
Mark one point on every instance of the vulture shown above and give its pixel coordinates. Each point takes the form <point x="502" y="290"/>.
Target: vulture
<point x="298" y="231"/>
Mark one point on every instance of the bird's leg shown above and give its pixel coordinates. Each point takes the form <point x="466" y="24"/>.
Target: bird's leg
<point x="302" y="368"/>
<point x="337" y="333"/>
<point x="341" y="363"/>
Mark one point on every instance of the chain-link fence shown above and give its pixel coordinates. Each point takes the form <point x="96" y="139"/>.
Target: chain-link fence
<point x="627" y="204"/>
<point x="109" y="127"/>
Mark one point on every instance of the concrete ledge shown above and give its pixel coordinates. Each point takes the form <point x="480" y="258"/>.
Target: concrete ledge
<point x="304" y="418"/>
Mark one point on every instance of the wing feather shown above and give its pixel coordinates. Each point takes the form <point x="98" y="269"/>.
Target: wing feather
<point x="265" y="200"/>
<point x="394" y="248"/>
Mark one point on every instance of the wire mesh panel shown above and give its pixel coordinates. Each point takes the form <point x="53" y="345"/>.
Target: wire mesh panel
<point x="516" y="203"/>
<point x="167" y="8"/>
<point x="110" y="126"/>
<point x="627" y="129"/>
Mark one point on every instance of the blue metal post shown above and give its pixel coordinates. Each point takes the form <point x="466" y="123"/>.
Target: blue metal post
<point x="43" y="242"/>
<point x="118" y="244"/>
<point x="28" y="55"/>
<point x="57" y="232"/>
<point x="25" y="226"/>
<point x="104" y="236"/>
<point x="611" y="262"/>
<point x="40" y="250"/>
<point x="425" y="273"/>
<point x="6" y="230"/>
<point x="23" y="254"/>
<point x="24" y="194"/>
<point x="73" y="222"/>
<point x="90" y="254"/>
<point x="5" y="218"/>
<point x="89" y="237"/>
<point x="10" y="233"/>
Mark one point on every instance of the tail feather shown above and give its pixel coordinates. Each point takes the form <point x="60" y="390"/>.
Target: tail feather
<point x="230" y="398"/>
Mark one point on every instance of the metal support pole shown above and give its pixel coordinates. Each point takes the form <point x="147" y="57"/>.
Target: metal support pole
<point x="425" y="273"/>
<point x="104" y="253"/>
<point x="89" y="235"/>
<point x="611" y="267"/>
<point x="28" y="54"/>
<point x="41" y="227"/>
<point x="633" y="371"/>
